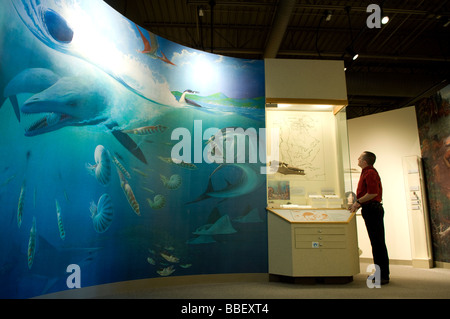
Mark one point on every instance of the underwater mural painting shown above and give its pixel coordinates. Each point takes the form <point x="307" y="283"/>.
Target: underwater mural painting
<point x="433" y="118"/>
<point x="89" y="103"/>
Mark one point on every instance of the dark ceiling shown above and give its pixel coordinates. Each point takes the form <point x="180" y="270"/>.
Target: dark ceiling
<point x="402" y="61"/>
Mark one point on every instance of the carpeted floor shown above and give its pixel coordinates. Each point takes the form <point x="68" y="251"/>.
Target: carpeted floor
<point x="406" y="283"/>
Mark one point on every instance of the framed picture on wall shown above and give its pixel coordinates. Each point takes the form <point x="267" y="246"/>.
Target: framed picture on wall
<point x="279" y="190"/>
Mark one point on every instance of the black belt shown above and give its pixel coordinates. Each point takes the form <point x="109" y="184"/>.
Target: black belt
<point x="373" y="203"/>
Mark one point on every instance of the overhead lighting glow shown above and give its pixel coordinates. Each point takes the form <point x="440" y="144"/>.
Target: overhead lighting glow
<point x="306" y="107"/>
<point x="385" y="20"/>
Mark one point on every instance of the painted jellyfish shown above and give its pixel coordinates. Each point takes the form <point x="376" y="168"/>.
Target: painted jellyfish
<point x="102" y="167"/>
<point x="174" y="182"/>
<point x="102" y="213"/>
<point x="159" y="201"/>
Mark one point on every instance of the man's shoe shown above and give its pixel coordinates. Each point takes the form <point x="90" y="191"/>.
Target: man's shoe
<point x="384" y="281"/>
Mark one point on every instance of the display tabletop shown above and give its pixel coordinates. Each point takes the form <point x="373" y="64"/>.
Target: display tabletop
<point x="311" y="215"/>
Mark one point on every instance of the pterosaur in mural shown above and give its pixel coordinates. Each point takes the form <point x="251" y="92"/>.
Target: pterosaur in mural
<point x="151" y="47"/>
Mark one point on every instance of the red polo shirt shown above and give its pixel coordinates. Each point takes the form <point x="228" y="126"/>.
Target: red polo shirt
<point x="370" y="183"/>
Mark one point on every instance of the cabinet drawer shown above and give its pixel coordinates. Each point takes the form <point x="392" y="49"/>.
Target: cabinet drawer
<point x="320" y="237"/>
<point x="319" y="230"/>
<point x="320" y="244"/>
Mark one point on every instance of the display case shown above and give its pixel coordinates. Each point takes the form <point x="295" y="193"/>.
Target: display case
<point x="308" y="157"/>
<point x="309" y="189"/>
<point x="309" y="183"/>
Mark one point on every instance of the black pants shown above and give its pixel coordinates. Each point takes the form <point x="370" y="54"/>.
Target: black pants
<point x="373" y="214"/>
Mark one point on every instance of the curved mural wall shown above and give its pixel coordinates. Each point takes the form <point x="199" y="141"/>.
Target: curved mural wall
<point x="112" y="165"/>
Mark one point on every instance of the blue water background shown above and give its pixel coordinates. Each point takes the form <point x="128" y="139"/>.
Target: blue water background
<point x="55" y="170"/>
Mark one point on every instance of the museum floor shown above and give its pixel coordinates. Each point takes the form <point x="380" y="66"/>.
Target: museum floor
<point x="406" y="283"/>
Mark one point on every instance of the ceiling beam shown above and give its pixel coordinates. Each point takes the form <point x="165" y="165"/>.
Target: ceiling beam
<point x="316" y="7"/>
<point x="280" y="24"/>
<point x="334" y="55"/>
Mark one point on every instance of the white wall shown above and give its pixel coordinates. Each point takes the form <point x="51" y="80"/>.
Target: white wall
<point x="391" y="136"/>
<point x="312" y="80"/>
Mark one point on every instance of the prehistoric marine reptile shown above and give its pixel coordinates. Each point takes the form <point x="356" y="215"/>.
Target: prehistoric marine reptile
<point x="70" y="101"/>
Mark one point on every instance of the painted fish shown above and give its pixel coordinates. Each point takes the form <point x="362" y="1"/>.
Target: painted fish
<point x="20" y="205"/>
<point x="102" y="167"/>
<point x="185" y="265"/>
<point x="62" y="233"/>
<point x="174" y="182"/>
<point x="148" y="190"/>
<point x="137" y="170"/>
<point x="158" y="202"/>
<point x="181" y="164"/>
<point x="102" y="213"/>
<point x="66" y="196"/>
<point x="129" y="193"/>
<point x="8" y="180"/>
<point x="121" y="167"/>
<point x="151" y="261"/>
<point x="170" y="258"/>
<point x="166" y="271"/>
<point x="221" y="134"/>
<point x="32" y="244"/>
<point x="145" y="130"/>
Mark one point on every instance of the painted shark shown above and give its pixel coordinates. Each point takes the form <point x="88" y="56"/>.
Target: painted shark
<point x="28" y="81"/>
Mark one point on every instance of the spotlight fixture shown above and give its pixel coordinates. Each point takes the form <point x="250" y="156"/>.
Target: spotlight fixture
<point x="352" y="53"/>
<point x="446" y="24"/>
<point x="384" y="17"/>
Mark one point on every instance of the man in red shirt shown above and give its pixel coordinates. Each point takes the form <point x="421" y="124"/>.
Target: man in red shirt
<point x="368" y="196"/>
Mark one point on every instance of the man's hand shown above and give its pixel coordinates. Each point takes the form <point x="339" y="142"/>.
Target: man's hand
<point x="354" y="207"/>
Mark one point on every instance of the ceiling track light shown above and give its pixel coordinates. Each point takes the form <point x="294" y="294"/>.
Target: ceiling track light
<point x="349" y="49"/>
<point x="446" y="24"/>
<point x="384" y="17"/>
<point x="352" y="53"/>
